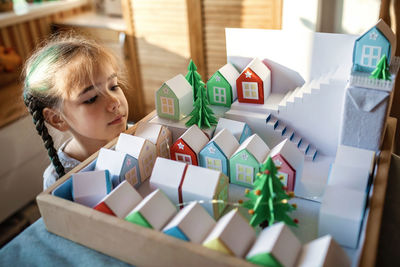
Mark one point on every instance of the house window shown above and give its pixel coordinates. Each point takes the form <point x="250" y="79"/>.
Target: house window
<point x="283" y="177"/>
<point x="250" y="90"/>
<point x="183" y="158"/>
<point x="167" y="105"/>
<point x="131" y="176"/>
<point x="219" y="95"/>
<point x="164" y="151"/>
<point x="370" y="56"/>
<point x="214" y="164"/>
<point x="244" y="173"/>
<point x="148" y="163"/>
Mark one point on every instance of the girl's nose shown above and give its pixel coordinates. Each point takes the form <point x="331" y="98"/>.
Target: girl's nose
<point x="113" y="103"/>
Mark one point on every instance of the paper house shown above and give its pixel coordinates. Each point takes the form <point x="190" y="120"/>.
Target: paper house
<point x="349" y="176"/>
<point x="372" y="45"/>
<point x="141" y="149"/>
<point x="192" y="224"/>
<point x="187" y="147"/>
<point x="341" y="213"/>
<point x="246" y="160"/>
<point x="216" y="154"/>
<point x="205" y="184"/>
<point x="276" y="245"/>
<point x="89" y="188"/>
<point x="357" y="157"/>
<point x="232" y="235"/>
<point x="154" y="211"/>
<point x="254" y="83"/>
<point x="120" y="201"/>
<point x="159" y="135"/>
<point x="121" y="166"/>
<point x="323" y="251"/>
<point x="221" y="87"/>
<point x="240" y="130"/>
<point x="290" y="161"/>
<point x="364" y="117"/>
<point x="174" y="99"/>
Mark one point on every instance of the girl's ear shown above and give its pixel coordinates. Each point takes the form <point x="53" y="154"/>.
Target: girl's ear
<point x="54" y="118"/>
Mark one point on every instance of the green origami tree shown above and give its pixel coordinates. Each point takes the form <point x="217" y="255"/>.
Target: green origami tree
<point x="194" y="78"/>
<point x="268" y="201"/>
<point x="201" y="114"/>
<point x="382" y="70"/>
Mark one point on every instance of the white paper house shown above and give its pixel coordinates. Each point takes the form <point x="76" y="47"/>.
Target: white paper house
<point x="240" y="130"/>
<point x="141" y="149"/>
<point x="159" y="135"/>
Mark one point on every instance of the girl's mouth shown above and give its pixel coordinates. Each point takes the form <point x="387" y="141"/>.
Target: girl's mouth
<point x="117" y="120"/>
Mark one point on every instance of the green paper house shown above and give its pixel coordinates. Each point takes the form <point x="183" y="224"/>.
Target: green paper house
<point x="153" y="212"/>
<point x="245" y="161"/>
<point x="221" y="87"/>
<point x="174" y="99"/>
<point x="276" y="246"/>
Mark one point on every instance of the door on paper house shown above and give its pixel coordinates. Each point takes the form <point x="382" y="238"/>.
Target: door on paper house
<point x="250" y="88"/>
<point x="180" y="151"/>
<point x="167" y="103"/>
<point x="211" y="157"/>
<point x="286" y="173"/>
<point x="243" y="168"/>
<point x="219" y="90"/>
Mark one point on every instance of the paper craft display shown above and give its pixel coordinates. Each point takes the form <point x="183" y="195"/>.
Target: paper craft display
<point x="174" y="99"/>
<point x="364" y="117"/>
<point x="240" y="130"/>
<point x="185" y="183"/>
<point x="349" y="176"/>
<point x="246" y="160"/>
<point x="216" y="154"/>
<point x="276" y="245"/>
<point x="254" y="83"/>
<point x="232" y="235"/>
<point x="141" y="149"/>
<point x="187" y="147"/>
<point x="323" y="251"/>
<point x="221" y="87"/>
<point x="290" y="161"/>
<point x="357" y="157"/>
<point x="159" y="135"/>
<point x="192" y="224"/>
<point x="88" y="188"/>
<point x="341" y="213"/>
<point x="121" y="166"/>
<point x="154" y="211"/>
<point x="120" y="201"/>
<point x="372" y="45"/>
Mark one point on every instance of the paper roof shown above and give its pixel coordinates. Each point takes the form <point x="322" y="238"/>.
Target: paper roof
<point x="195" y="138"/>
<point x="256" y="146"/>
<point x="179" y="85"/>
<point x="290" y="152"/>
<point x="200" y="181"/>
<point x="130" y="144"/>
<point x="235" y="127"/>
<point x="149" y="131"/>
<point x="230" y="74"/>
<point x="259" y="68"/>
<point x="167" y="172"/>
<point x="226" y="142"/>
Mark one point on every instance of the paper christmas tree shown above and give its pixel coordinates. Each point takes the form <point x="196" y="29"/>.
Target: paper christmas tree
<point x="382" y="70"/>
<point x="201" y="114"/>
<point x="268" y="201"/>
<point x="194" y="78"/>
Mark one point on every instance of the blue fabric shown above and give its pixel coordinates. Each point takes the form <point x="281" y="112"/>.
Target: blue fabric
<point x="37" y="247"/>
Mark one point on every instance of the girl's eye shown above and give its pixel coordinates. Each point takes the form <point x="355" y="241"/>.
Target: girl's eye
<point x="91" y="100"/>
<point x="114" y="88"/>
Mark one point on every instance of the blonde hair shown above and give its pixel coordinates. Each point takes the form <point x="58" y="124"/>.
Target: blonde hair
<point x="82" y="57"/>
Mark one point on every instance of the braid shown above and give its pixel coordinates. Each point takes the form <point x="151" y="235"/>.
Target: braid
<point x="36" y="110"/>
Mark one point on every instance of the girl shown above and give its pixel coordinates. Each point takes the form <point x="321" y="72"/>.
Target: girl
<point x="72" y="84"/>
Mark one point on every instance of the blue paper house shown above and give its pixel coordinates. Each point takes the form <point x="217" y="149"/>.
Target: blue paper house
<point x="215" y="155"/>
<point x="240" y="130"/>
<point x="372" y="45"/>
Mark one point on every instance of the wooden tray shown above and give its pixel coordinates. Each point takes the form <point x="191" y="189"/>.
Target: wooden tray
<point x="143" y="247"/>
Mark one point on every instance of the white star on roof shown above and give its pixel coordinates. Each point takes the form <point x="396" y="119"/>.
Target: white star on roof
<point x="165" y="90"/>
<point x="181" y="146"/>
<point x="211" y="150"/>
<point x="248" y="74"/>
<point x="245" y="156"/>
<point x="217" y="78"/>
<point x="373" y="35"/>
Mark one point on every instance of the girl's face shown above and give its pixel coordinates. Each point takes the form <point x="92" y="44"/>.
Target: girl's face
<point x="99" y="111"/>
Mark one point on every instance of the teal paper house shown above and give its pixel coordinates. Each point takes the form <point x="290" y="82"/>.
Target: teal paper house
<point x="221" y="87"/>
<point x="215" y="155"/>
<point x="246" y="160"/>
<point x="372" y="45"/>
<point x="174" y="99"/>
